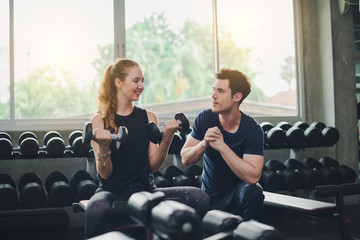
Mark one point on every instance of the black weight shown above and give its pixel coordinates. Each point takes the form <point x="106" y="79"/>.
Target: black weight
<point x="266" y="126"/>
<point x="194" y="172"/>
<point x="176" y="144"/>
<point x="5" y="148"/>
<point x="82" y="185"/>
<point x="58" y="189"/>
<point x="26" y="135"/>
<point x="80" y="149"/>
<point x="49" y="135"/>
<point x="176" y="176"/>
<point x="32" y="193"/>
<point x="6" y="136"/>
<point x="302" y="125"/>
<point x="276" y="138"/>
<point x="331" y="136"/>
<point x="55" y="147"/>
<point x="313" y="137"/>
<point x="160" y="181"/>
<point x="183" y="122"/>
<point x="87" y="133"/>
<point x="29" y="147"/>
<point x="8" y="192"/>
<point x="74" y="135"/>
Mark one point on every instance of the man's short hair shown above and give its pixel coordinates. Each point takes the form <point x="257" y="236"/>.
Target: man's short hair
<point x="238" y="82"/>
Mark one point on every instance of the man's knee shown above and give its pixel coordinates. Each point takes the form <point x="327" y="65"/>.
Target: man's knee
<point x="252" y="192"/>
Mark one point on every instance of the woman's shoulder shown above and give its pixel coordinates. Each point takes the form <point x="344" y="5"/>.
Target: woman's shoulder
<point x="152" y="116"/>
<point x="97" y="119"/>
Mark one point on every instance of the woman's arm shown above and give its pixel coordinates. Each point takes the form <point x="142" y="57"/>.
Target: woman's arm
<point x="101" y="147"/>
<point x="158" y="153"/>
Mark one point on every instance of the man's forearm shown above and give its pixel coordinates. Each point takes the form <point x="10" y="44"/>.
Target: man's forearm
<point x="193" y="154"/>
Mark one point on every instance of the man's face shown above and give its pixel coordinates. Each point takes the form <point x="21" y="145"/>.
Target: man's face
<point x="222" y="99"/>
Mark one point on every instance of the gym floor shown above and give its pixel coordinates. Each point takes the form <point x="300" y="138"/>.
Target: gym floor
<point x="293" y="226"/>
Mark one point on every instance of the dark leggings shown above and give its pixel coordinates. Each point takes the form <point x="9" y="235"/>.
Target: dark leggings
<point x="98" y="214"/>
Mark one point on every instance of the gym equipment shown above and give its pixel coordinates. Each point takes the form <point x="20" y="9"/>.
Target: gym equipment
<point x="346" y="174"/>
<point x="176" y="144"/>
<point x="29" y="145"/>
<point x="194" y="172"/>
<point x="312" y="135"/>
<point x="329" y="175"/>
<point x="330" y="135"/>
<point x="291" y="180"/>
<point x="77" y="147"/>
<point x="217" y="221"/>
<point x="253" y="230"/>
<point x="120" y="137"/>
<point x="82" y="185"/>
<point x="58" y="189"/>
<point x="294" y="135"/>
<point x="8" y="192"/>
<point x="276" y="138"/>
<point x="311" y="177"/>
<point x="5" y="145"/>
<point x="55" y="145"/>
<point x="160" y="181"/>
<point x="112" y="236"/>
<point x="271" y="180"/>
<point x="155" y="133"/>
<point x="266" y="126"/>
<point x="32" y="193"/>
<point x="176" y="176"/>
<point x="174" y="220"/>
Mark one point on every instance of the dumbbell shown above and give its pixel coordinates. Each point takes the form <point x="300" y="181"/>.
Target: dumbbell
<point x="312" y="135"/>
<point x="176" y="144"/>
<point x="8" y="192"/>
<point x="292" y="180"/>
<point x="329" y="175"/>
<point x="271" y="181"/>
<point x="222" y="225"/>
<point x="160" y="181"/>
<point x="311" y="177"/>
<point x="58" y="189"/>
<point x="120" y="137"/>
<point x="176" y="176"/>
<point x="77" y="147"/>
<point x="155" y="133"/>
<point x="346" y="174"/>
<point x="32" y="193"/>
<point x="274" y="137"/>
<point x="82" y="185"/>
<point x="194" y="172"/>
<point x="28" y="145"/>
<point x="294" y="135"/>
<point x="330" y="135"/>
<point x="5" y="145"/>
<point x="55" y="145"/>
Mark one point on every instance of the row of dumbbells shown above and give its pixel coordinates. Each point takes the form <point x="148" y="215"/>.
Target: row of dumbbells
<point x="56" y="190"/>
<point x="293" y="174"/>
<point x="168" y="219"/>
<point x="299" y="135"/>
<point x="173" y="176"/>
<point x="54" y="145"/>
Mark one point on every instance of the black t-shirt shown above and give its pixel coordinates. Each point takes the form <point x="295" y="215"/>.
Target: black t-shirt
<point x="130" y="161"/>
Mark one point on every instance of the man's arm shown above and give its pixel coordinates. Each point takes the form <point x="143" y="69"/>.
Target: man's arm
<point x="193" y="150"/>
<point x="248" y="168"/>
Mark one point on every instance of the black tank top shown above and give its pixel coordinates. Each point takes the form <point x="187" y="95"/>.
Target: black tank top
<point x="130" y="162"/>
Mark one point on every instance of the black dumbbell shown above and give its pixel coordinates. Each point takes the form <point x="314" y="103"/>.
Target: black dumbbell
<point x="8" y="192"/>
<point x="329" y="175"/>
<point x="82" y="185"/>
<point x="292" y="180"/>
<point x="155" y="133"/>
<point x="266" y="126"/>
<point x="254" y="230"/>
<point x="58" y="189"/>
<point x="120" y="137"/>
<point x="346" y="174"/>
<point x="330" y="135"/>
<point x="217" y="221"/>
<point x="294" y="135"/>
<point x="275" y="138"/>
<point x="160" y="181"/>
<point x="32" y="193"/>
<point x="176" y="144"/>
<point x="312" y="135"/>
<point x="77" y="147"/>
<point x="55" y="145"/>
<point x="311" y="176"/>
<point x="194" y="172"/>
<point x="29" y="145"/>
<point x="176" y="176"/>
<point x="271" y="181"/>
<point x="5" y="145"/>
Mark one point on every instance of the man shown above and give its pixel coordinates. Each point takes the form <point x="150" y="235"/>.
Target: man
<point x="232" y="146"/>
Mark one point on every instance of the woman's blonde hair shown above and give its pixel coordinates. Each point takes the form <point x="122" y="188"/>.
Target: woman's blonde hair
<point x="107" y="99"/>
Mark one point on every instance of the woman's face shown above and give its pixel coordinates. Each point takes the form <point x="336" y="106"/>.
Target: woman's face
<point x="133" y="85"/>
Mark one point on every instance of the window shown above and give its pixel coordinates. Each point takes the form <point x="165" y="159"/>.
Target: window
<point x="4" y="61"/>
<point x="62" y="48"/>
<point x="257" y="37"/>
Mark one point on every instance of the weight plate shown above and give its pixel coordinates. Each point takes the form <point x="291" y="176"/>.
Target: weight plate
<point x="74" y="135"/>
<point x="25" y="135"/>
<point x="50" y="135"/>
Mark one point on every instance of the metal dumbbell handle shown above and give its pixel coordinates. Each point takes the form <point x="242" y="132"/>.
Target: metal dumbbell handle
<point x="162" y="128"/>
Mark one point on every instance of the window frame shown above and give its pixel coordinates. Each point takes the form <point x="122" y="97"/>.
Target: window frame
<point x="13" y="124"/>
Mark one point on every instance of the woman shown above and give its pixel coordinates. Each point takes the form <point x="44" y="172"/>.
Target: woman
<point x="128" y="169"/>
